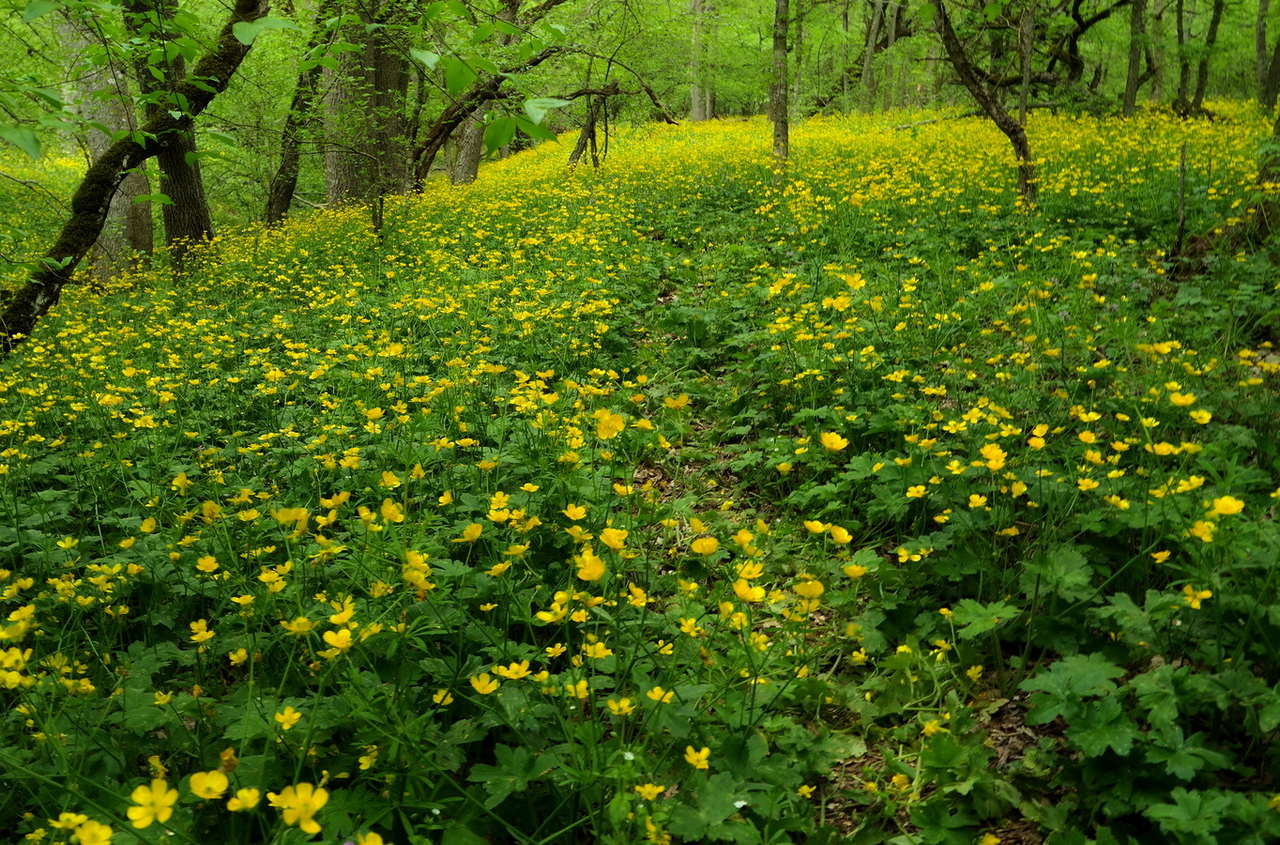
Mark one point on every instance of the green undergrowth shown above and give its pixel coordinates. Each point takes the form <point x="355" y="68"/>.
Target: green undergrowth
<point x="691" y="499"/>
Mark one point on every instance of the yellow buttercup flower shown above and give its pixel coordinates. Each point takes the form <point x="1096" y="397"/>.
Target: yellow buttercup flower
<point x="705" y="545"/>
<point x="209" y="785"/>
<point x="484" y="683"/>
<point x="832" y="442"/>
<point x="698" y="758"/>
<point x="299" y="804"/>
<point x="152" y="802"/>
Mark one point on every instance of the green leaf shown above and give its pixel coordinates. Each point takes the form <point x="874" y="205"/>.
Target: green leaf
<point x="977" y="619"/>
<point x="457" y="75"/>
<point x="499" y="133"/>
<point x="533" y="130"/>
<point x="459" y="834"/>
<point x="537" y="107"/>
<point x="427" y="57"/>
<point x="246" y="32"/>
<point x="1103" y="725"/>
<point x="1066" y="682"/>
<point x="159" y="199"/>
<point x="22" y="138"/>
<point x="1062" y="571"/>
<point x="38" y="8"/>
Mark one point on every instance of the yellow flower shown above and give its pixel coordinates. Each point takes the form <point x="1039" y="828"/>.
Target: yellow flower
<point x="471" y="533"/>
<point x="705" y="545"/>
<point x="994" y="456"/>
<point x="244" y="799"/>
<point x="299" y="626"/>
<point x="1201" y="416"/>
<point x="93" y="833"/>
<point x="614" y="538"/>
<point x="369" y="839"/>
<point x="990" y="839"/>
<point x="389" y="479"/>
<point x="1182" y="400"/>
<point x="931" y="727"/>
<point x="287" y="718"/>
<point x="208" y="563"/>
<point x="1226" y="506"/>
<point x="974" y="673"/>
<point x="697" y="757"/>
<point x="831" y="441"/>
<point x="1203" y="531"/>
<point x="676" y="402"/>
<point x="574" y="512"/>
<point x="209" y="784"/>
<point x="597" y="651"/>
<point x="742" y="589"/>
<point x="484" y="683"/>
<point x="1193" y="597"/>
<point x="590" y="566"/>
<point x="391" y="512"/>
<point x="660" y="695"/>
<point x="148" y="525"/>
<point x="620" y="706"/>
<point x="855" y="571"/>
<point x="839" y="536"/>
<point x="200" y="632"/>
<point x="976" y="501"/>
<point x="814" y="526"/>
<point x="513" y="671"/>
<point x="152" y="803"/>
<point x="339" y="640"/>
<point x="916" y="491"/>
<point x="650" y="791"/>
<point x="1087" y="484"/>
<point x="608" y="424"/>
<point x="442" y="697"/>
<point x="300" y="804"/>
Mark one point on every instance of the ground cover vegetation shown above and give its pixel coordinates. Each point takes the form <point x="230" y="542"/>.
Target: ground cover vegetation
<point x="698" y="497"/>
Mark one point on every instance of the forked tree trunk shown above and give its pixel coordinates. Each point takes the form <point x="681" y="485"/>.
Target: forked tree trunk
<point x="23" y="308"/>
<point x="990" y="106"/>
<point x="778" y="106"/>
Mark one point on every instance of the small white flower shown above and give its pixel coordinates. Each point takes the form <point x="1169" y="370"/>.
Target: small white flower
<point x="739" y="803"/>
<point x="628" y="756"/>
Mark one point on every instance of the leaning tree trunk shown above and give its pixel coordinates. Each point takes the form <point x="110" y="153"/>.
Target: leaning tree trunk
<point x="1012" y="130"/>
<point x="1137" y="39"/>
<point x="106" y="101"/>
<point x="470" y="150"/>
<point x="23" y="308"/>
<point x="778" y="106"/>
<point x="1202" y="69"/>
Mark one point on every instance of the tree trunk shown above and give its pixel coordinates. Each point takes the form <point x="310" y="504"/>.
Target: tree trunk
<point x="470" y="149"/>
<point x="106" y="100"/>
<point x="1180" y="100"/>
<point x="1025" y="23"/>
<point x="186" y="216"/>
<point x="285" y="181"/>
<point x="1271" y="85"/>
<point x="869" y="55"/>
<point x="1261" y="53"/>
<point x="778" y="107"/>
<point x="1137" y="39"/>
<point x="1202" y="69"/>
<point x="1013" y="130"/>
<point x="89" y="206"/>
<point x="698" y="93"/>
<point x="1157" y="52"/>
<point x="796" y="47"/>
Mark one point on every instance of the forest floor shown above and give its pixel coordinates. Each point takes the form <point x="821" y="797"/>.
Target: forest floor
<point x="695" y="498"/>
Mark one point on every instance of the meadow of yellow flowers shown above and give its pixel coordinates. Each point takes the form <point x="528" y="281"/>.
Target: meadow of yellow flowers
<point x="696" y="498"/>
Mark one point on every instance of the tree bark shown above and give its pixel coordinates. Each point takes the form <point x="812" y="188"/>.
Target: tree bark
<point x="285" y="180"/>
<point x="1181" y="99"/>
<point x="1271" y="85"/>
<point x="1261" y="53"/>
<point x="105" y="99"/>
<point x="699" y="95"/>
<point x="868" y="54"/>
<point x="1202" y="68"/>
<point x="186" y="216"/>
<point x="470" y="149"/>
<point x="778" y="106"/>
<point x="990" y="106"/>
<point x="23" y="308"/>
<point x="1137" y="39"/>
